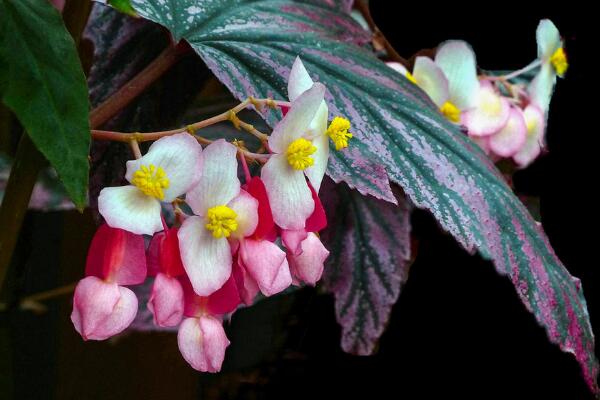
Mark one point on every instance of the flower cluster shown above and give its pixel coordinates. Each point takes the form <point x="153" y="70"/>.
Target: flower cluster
<point x="237" y="239"/>
<point x="506" y="119"/>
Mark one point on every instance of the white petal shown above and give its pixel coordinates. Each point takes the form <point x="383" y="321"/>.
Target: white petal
<point x="180" y="156"/>
<point x="316" y="172"/>
<point x="207" y="260"/>
<point x="218" y="182"/>
<point x="299" y="80"/>
<point x="126" y="207"/>
<point x="296" y="122"/>
<point x="431" y="79"/>
<point x="246" y="208"/>
<point x="536" y="125"/>
<point x="548" y="39"/>
<point x="489" y="115"/>
<point x="541" y="87"/>
<point x="289" y="195"/>
<point x="457" y="60"/>
<point x="396" y="66"/>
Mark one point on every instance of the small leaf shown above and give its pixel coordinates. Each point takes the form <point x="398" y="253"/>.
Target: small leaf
<point x="42" y="82"/>
<point x="399" y="135"/>
<point x="370" y="258"/>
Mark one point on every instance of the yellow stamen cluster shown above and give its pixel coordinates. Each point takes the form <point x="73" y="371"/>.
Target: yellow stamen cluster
<point x="151" y="180"/>
<point x="410" y="77"/>
<point x="338" y="132"/>
<point x="221" y="221"/>
<point x="299" y="154"/>
<point x="450" y="111"/>
<point x="559" y="61"/>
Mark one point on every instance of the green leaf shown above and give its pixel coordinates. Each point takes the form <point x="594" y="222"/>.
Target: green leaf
<point x="123" y="6"/>
<point x="400" y="136"/>
<point x="42" y="82"/>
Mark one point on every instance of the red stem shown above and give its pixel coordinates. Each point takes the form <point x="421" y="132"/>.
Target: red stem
<point x="122" y="97"/>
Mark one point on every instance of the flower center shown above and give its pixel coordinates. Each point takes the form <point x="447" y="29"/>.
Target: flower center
<point x="221" y="221"/>
<point x="338" y="132"/>
<point x="151" y="180"/>
<point x="299" y="153"/>
<point x="559" y="61"/>
<point x="450" y="111"/>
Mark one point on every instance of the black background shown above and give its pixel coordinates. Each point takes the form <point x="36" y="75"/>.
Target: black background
<point x="459" y="329"/>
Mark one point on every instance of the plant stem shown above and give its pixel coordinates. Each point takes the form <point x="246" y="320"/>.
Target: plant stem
<point x="122" y="97"/>
<point x="229" y="115"/>
<point x="24" y="172"/>
<point x="363" y="7"/>
<point x="32" y="302"/>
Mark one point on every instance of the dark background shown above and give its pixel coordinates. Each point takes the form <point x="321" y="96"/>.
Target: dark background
<point x="458" y="329"/>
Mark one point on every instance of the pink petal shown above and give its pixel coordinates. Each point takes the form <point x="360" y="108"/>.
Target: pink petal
<point x="536" y="126"/>
<point x="117" y="256"/>
<point x="308" y="266"/>
<point x="202" y="342"/>
<point x="264" y="260"/>
<point x="292" y="240"/>
<point x="511" y="137"/>
<point x="246" y="208"/>
<point x="247" y="286"/>
<point x="489" y="115"/>
<point x="289" y="195"/>
<point x="166" y="301"/>
<point x="102" y="310"/>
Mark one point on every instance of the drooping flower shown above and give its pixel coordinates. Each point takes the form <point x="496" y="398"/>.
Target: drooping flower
<point x="307" y="266"/>
<point x="261" y="260"/>
<point x="511" y="138"/>
<point x="292" y="145"/>
<point x="535" y="122"/>
<point x="554" y="63"/>
<point x="102" y="306"/>
<point x="201" y="337"/>
<point x="164" y="263"/>
<point x="168" y="170"/>
<point x="223" y="213"/>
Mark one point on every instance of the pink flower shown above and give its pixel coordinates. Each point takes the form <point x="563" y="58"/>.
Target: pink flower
<point x="264" y="263"/>
<point x="166" y="301"/>
<point x="307" y="266"/>
<point x="101" y="306"/>
<point x="201" y="337"/>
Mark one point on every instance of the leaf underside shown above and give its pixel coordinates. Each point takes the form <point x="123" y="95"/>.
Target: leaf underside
<point x="370" y="243"/>
<point x="399" y="136"/>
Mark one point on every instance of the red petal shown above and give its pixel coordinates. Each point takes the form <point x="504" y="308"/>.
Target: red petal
<point x="266" y="226"/>
<point x="163" y="254"/>
<point x="224" y="300"/>
<point x="117" y="256"/>
<point x="318" y="219"/>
